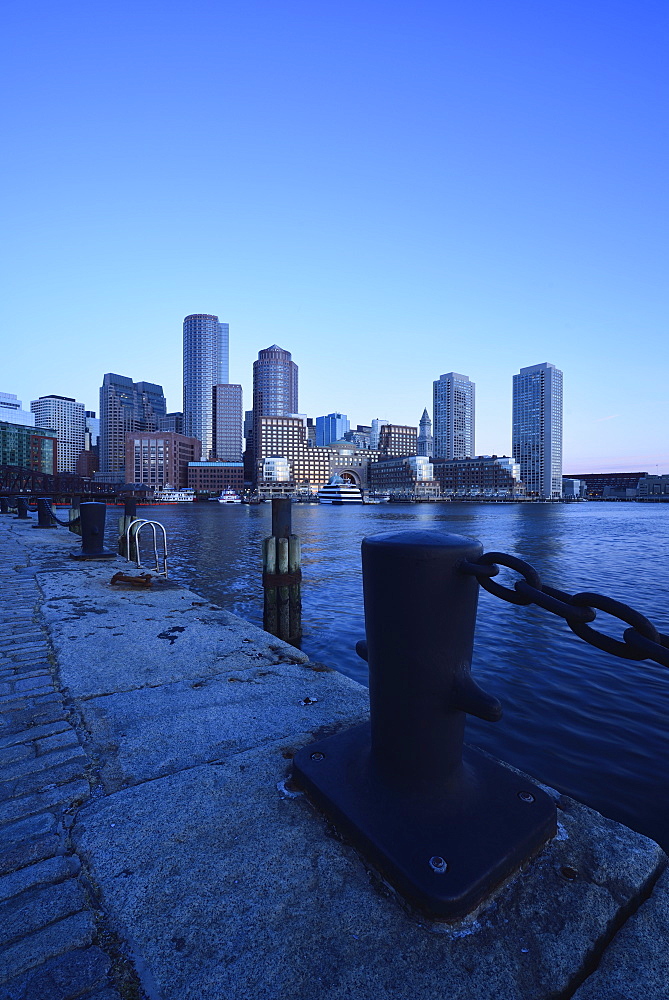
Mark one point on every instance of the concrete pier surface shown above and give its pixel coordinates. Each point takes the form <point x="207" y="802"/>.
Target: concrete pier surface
<point x="151" y="848"/>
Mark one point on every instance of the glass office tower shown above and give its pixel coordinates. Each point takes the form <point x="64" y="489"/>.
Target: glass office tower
<point x="205" y="365"/>
<point x="537" y="429"/>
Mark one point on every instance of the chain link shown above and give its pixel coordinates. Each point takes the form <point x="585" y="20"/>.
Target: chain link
<point x="641" y="641"/>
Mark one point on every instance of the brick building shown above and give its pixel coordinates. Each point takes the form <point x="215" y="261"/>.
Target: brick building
<point x="483" y="474"/>
<point x="159" y="458"/>
<point x="214" y="477"/>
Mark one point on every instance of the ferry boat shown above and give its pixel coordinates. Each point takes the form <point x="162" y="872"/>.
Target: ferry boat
<point x="168" y="495"/>
<point x="338" y="492"/>
<point x="228" y="496"/>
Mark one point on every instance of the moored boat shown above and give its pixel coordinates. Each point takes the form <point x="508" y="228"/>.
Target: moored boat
<point x="338" y="491"/>
<point x="168" y="495"/>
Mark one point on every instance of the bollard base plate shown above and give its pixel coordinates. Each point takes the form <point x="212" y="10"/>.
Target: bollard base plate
<point x="83" y="556"/>
<point x="444" y="853"/>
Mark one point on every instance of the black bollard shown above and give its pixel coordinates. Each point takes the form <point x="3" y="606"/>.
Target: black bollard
<point x="92" y="532"/>
<point x="45" y="518"/>
<point x="22" y="508"/>
<point x="442" y="821"/>
<point x="4" y="505"/>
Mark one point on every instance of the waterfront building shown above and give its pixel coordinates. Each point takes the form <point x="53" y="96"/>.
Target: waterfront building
<point x="160" y="458"/>
<point x="310" y="467"/>
<point x="454" y="416"/>
<point x="574" y="489"/>
<point x="275" y="389"/>
<point x="654" y="488"/>
<point x="397" y="439"/>
<point x="28" y="447"/>
<point x="609" y="485"/>
<point x="332" y="427"/>
<point x="12" y="412"/>
<point x="227" y="423"/>
<point x="125" y="407"/>
<point x="172" y="422"/>
<point x="214" y="477"/>
<point x="425" y="444"/>
<point x="537" y="429"/>
<point x="484" y="474"/>
<point x="409" y="477"/>
<point x="67" y="418"/>
<point x="375" y="431"/>
<point x="205" y="364"/>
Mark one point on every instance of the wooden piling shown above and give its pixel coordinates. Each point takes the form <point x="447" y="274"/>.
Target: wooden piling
<point x="282" y="573"/>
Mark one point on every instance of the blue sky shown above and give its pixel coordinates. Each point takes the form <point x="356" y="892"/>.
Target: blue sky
<point x="389" y="191"/>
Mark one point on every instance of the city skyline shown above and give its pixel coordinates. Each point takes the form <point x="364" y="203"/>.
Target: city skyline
<point x="483" y="189"/>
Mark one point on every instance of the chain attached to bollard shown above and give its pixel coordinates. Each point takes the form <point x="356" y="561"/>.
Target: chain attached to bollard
<point x="641" y="641"/>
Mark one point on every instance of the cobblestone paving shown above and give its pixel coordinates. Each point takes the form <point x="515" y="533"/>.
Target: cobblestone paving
<point x="50" y="931"/>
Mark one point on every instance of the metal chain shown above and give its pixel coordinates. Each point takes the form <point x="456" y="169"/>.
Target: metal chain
<point x="641" y="641"/>
<point x="65" y="524"/>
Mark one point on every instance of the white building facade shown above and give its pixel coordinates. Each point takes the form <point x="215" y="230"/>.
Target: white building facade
<point x="68" y="419"/>
<point x="454" y="397"/>
<point x="537" y="429"/>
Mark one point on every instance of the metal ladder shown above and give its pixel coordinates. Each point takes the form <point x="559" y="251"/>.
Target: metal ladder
<point x="132" y="544"/>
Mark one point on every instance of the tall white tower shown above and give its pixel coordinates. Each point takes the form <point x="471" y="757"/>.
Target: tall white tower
<point x="454" y="412"/>
<point x="537" y="429"/>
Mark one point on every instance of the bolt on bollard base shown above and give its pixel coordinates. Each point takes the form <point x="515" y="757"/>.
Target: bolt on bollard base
<point x="444" y="823"/>
<point x="444" y="853"/>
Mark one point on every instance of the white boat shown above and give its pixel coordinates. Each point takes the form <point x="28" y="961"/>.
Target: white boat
<point x="168" y="495"/>
<point x="339" y="492"/>
<point x="229" y="496"/>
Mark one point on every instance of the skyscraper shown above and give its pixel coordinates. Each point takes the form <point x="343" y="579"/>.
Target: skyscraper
<point x="425" y="444"/>
<point x="274" y="387"/>
<point x="331" y="427"/>
<point x="537" y="429"/>
<point x="227" y="423"/>
<point x="205" y="365"/>
<point x="68" y="418"/>
<point x="125" y="406"/>
<point x="454" y="412"/>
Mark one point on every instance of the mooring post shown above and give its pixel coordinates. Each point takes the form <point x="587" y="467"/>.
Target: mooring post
<point x="75" y="520"/>
<point x="129" y="515"/>
<point x="282" y="572"/>
<point x="92" y="531"/>
<point x="45" y="518"/>
<point x="442" y="821"/>
<point x="22" y="508"/>
<point x="4" y="505"/>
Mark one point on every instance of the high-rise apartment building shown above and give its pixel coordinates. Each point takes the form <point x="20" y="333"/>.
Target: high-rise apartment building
<point x="67" y="418"/>
<point x="125" y="406"/>
<point x="227" y="423"/>
<point x="453" y="412"/>
<point x="205" y="347"/>
<point x="274" y="388"/>
<point x="331" y="427"/>
<point x="537" y="429"/>
<point x="425" y="444"/>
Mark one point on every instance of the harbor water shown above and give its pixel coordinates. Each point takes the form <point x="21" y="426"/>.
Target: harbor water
<point x="588" y="723"/>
